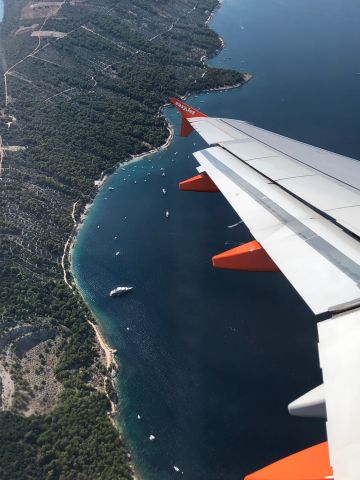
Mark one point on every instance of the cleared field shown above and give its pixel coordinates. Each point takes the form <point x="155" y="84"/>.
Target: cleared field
<point x="48" y="34"/>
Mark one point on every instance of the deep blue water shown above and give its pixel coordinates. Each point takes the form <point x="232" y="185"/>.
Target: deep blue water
<point x="212" y="358"/>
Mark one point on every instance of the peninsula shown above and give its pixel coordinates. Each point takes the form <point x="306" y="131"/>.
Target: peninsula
<point x="83" y="86"/>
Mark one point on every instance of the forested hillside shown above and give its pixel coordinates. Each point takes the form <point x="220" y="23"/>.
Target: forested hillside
<point x="83" y="83"/>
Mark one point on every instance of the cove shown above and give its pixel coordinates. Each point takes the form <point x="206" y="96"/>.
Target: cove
<point x="210" y="359"/>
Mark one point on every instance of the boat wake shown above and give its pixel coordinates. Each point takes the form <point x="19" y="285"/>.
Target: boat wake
<point x="235" y="224"/>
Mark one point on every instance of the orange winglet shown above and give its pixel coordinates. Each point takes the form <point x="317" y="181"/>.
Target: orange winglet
<point x="250" y="257"/>
<point x="199" y="183"/>
<point x="186" y="128"/>
<point x="310" y="464"/>
<point x="186" y="112"/>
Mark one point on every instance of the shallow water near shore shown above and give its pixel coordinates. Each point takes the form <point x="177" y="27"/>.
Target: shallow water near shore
<point x="210" y="359"/>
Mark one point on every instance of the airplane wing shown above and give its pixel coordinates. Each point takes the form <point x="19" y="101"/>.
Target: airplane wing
<point x="302" y="206"/>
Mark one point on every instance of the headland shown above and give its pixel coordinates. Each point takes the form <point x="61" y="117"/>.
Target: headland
<point x="86" y="95"/>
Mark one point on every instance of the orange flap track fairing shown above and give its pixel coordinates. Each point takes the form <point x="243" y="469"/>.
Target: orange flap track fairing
<point x="310" y="464"/>
<point x="250" y="257"/>
<point x="199" y="183"/>
<point x="186" y="112"/>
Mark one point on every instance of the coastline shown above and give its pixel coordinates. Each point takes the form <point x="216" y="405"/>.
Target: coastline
<point x="203" y="60"/>
<point x="111" y="363"/>
<point x="69" y="245"/>
<point x="112" y="368"/>
<point x="109" y="352"/>
<point x="247" y="78"/>
<point x="185" y="388"/>
<point x="164" y="146"/>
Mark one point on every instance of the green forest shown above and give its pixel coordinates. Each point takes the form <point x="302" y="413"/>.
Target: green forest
<point x="77" y="105"/>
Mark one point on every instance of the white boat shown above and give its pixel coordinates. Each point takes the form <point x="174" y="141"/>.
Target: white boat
<point x="164" y="191"/>
<point x="167" y="214"/>
<point x="117" y="253"/>
<point x="111" y="189"/>
<point x="151" y="437"/>
<point x="118" y="291"/>
<point x="163" y="174"/>
<point x="177" y="469"/>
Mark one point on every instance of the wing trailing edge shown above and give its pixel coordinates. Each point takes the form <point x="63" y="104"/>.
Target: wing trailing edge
<point x="302" y="206"/>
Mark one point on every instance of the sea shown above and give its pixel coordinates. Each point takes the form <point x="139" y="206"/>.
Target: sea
<point x="209" y="359"/>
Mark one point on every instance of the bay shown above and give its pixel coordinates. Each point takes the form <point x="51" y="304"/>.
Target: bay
<point x="210" y="359"/>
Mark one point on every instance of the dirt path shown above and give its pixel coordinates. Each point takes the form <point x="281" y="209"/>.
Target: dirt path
<point x="1" y="157"/>
<point x="36" y="49"/>
<point x="175" y="23"/>
<point x="60" y="93"/>
<point x="8" y="388"/>
<point x="67" y="247"/>
<point x="73" y="212"/>
<point x="64" y="255"/>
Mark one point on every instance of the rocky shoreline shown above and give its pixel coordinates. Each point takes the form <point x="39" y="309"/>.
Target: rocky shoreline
<point x="109" y="353"/>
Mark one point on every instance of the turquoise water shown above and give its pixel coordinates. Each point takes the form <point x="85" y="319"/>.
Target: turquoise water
<point x="210" y="359"/>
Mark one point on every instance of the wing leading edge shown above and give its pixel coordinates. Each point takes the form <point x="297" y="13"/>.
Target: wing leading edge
<point x="302" y="205"/>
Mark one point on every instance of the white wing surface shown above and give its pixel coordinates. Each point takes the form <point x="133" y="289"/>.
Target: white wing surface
<point x="339" y="349"/>
<point x="308" y="248"/>
<point x="300" y="202"/>
<point x="302" y="205"/>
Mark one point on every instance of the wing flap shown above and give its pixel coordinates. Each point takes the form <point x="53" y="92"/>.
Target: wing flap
<point x="302" y="205"/>
<point x="339" y="346"/>
<point x="279" y="168"/>
<point x="314" y="176"/>
<point x="213" y="131"/>
<point x="306" y="247"/>
<point x="348" y="217"/>
<point x="339" y="167"/>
